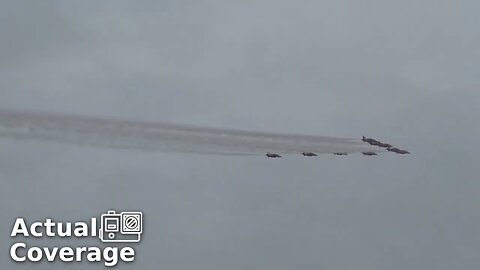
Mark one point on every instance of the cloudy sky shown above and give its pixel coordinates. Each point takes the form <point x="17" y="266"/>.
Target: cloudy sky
<point x="403" y="71"/>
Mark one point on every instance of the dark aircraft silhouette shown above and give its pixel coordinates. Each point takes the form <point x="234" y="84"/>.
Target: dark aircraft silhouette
<point x="309" y="154"/>
<point x="368" y="140"/>
<point x="375" y="142"/>
<point x="398" y="151"/>
<point x="385" y="145"/>
<point x="273" y="155"/>
<point x="369" y="153"/>
<point x="340" y="154"/>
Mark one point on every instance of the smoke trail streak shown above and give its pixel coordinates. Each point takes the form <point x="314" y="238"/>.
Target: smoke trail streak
<point x="147" y="136"/>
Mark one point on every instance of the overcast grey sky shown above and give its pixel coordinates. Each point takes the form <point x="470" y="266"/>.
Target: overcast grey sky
<point x="403" y="71"/>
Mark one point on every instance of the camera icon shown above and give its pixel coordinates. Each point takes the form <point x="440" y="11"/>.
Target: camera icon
<point x="120" y="227"/>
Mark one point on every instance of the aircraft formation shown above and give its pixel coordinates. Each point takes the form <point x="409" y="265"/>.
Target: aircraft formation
<point x="370" y="141"/>
<point x="389" y="147"/>
<point x="155" y="136"/>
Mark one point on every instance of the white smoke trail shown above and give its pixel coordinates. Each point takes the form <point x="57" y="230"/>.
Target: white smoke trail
<point x="147" y="136"/>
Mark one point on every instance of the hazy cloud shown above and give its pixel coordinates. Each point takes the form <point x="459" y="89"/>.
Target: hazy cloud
<point x="403" y="71"/>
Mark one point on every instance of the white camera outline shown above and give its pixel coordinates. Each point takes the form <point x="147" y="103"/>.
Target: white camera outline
<point x="120" y="216"/>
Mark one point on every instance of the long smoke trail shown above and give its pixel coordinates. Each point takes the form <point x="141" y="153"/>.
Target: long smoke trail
<point x="147" y="136"/>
